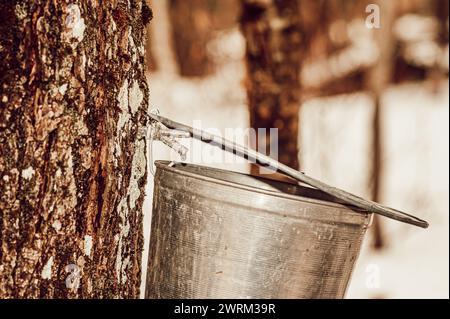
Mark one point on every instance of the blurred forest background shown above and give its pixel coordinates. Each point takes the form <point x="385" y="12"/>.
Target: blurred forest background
<point x="362" y="109"/>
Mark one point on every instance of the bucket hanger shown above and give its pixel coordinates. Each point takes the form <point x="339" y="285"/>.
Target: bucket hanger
<point x="182" y="131"/>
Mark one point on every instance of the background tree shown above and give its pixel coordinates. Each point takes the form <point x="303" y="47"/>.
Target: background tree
<point x="73" y="156"/>
<point x="191" y="24"/>
<point x="378" y="79"/>
<point x="152" y="63"/>
<point x="275" y="49"/>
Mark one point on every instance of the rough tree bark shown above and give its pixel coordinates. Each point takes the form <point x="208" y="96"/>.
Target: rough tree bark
<point x="192" y="24"/>
<point x="275" y="49"/>
<point x="72" y="155"/>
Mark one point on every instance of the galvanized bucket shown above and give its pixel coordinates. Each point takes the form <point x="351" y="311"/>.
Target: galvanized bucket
<point x="221" y="234"/>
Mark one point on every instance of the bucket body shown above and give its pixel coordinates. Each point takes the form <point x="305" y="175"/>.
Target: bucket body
<point x="220" y="234"/>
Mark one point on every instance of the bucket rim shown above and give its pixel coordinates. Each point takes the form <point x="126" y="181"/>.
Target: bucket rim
<point x="350" y="209"/>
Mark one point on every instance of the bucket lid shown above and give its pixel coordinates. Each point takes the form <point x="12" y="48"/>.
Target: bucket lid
<point x="265" y="161"/>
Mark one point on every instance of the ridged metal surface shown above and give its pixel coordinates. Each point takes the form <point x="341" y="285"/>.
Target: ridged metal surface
<point x="219" y="234"/>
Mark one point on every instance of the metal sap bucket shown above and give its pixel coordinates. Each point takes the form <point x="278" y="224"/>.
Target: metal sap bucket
<point x="221" y="234"/>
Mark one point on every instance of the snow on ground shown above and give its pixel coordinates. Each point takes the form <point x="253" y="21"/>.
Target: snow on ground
<point x="416" y="179"/>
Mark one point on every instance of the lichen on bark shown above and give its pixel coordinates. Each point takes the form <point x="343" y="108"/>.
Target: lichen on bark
<point x="73" y="100"/>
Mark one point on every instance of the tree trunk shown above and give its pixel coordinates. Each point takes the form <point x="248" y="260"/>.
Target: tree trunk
<point x="152" y="63"/>
<point x="275" y="49"/>
<point x="378" y="80"/>
<point x="191" y="23"/>
<point x="442" y="12"/>
<point x="73" y="154"/>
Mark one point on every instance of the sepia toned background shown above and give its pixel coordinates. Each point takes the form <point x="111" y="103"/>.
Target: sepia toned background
<point x="370" y="114"/>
